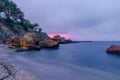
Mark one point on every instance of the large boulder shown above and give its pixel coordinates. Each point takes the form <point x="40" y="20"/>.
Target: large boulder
<point x="114" y="49"/>
<point x="41" y="36"/>
<point x="28" y="40"/>
<point x="48" y="44"/>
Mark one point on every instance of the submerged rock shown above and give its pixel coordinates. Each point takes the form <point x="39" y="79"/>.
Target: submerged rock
<point x="21" y="49"/>
<point x="114" y="49"/>
<point x="48" y="44"/>
<point x="35" y="47"/>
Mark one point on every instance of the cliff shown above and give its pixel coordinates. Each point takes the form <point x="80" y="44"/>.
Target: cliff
<point x="7" y="31"/>
<point x="13" y="21"/>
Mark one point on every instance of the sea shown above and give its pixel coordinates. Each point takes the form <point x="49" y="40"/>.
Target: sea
<point x="75" y="61"/>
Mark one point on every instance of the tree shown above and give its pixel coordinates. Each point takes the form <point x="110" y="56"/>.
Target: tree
<point x="13" y="15"/>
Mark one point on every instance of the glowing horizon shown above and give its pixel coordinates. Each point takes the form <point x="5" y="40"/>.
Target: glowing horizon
<point x="84" y="19"/>
<point x="51" y="35"/>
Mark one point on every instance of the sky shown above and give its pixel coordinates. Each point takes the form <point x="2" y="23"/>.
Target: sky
<point x="96" y="20"/>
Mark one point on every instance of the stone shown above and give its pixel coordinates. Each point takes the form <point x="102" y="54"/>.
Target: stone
<point x="28" y="40"/>
<point x="114" y="49"/>
<point x="21" y="49"/>
<point x="35" y="47"/>
<point x="48" y="44"/>
<point x="14" y="41"/>
<point x="41" y="36"/>
<point x="8" y="41"/>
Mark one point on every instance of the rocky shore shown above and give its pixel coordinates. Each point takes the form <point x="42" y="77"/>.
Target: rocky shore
<point x="19" y="34"/>
<point x="35" y="41"/>
<point x="32" y="39"/>
<point x="11" y="71"/>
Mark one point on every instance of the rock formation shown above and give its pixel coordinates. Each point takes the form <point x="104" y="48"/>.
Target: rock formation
<point x="41" y="36"/>
<point x="114" y="49"/>
<point x="29" y="41"/>
<point x="49" y="44"/>
<point x="61" y="40"/>
<point x="13" y="42"/>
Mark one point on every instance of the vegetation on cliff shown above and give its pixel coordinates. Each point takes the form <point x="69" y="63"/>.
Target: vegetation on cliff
<point x="12" y="19"/>
<point x="16" y="31"/>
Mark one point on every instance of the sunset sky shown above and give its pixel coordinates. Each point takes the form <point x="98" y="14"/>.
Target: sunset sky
<point x="78" y="19"/>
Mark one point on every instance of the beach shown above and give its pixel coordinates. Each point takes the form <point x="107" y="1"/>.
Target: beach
<point x="10" y="70"/>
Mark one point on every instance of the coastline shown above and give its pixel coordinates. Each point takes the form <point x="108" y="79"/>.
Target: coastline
<point x="43" y="63"/>
<point x="11" y="71"/>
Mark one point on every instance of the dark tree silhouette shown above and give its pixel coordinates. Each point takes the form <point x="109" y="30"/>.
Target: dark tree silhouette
<point x="13" y="15"/>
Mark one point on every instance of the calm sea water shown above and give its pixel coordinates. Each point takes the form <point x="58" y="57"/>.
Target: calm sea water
<point x="80" y="61"/>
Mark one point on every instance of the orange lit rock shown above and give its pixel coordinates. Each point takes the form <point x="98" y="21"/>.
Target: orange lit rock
<point x="48" y="44"/>
<point x="114" y="49"/>
<point x="28" y="40"/>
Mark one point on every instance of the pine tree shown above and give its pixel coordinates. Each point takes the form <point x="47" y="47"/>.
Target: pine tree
<point x="13" y="15"/>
